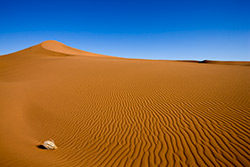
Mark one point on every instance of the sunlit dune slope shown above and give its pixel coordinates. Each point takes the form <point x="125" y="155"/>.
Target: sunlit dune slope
<point x="64" y="49"/>
<point x="109" y="111"/>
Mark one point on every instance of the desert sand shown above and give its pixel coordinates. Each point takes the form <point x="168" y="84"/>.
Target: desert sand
<point x="109" y="111"/>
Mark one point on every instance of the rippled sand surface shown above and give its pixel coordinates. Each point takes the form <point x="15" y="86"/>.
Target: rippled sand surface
<point x="109" y="111"/>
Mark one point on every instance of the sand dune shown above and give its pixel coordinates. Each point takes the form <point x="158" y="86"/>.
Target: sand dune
<point x="58" y="47"/>
<point x="108" y="111"/>
<point x="242" y="63"/>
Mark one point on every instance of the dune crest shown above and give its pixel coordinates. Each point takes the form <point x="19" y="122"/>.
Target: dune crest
<point x="59" y="47"/>
<point x="103" y="111"/>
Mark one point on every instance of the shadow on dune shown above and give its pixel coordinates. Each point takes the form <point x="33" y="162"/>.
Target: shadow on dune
<point x="41" y="147"/>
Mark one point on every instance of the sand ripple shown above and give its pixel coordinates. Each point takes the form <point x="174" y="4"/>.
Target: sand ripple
<point x="106" y="111"/>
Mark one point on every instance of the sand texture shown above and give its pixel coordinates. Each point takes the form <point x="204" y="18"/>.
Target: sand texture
<point x="110" y="111"/>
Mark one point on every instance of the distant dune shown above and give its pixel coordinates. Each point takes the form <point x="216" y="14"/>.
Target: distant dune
<point x="109" y="111"/>
<point x="243" y="63"/>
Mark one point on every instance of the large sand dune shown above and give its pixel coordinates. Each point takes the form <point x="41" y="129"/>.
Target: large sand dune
<point x="108" y="111"/>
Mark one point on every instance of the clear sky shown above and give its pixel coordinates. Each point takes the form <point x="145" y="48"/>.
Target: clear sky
<point x="155" y="29"/>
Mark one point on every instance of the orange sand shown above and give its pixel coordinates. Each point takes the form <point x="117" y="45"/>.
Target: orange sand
<point x="109" y="111"/>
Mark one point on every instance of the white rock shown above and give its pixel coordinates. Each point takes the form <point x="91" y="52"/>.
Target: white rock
<point x="49" y="145"/>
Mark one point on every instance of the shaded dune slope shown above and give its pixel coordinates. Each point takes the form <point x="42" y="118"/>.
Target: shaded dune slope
<point x="107" y="111"/>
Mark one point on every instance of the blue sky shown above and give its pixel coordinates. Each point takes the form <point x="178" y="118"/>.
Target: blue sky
<point x="174" y="30"/>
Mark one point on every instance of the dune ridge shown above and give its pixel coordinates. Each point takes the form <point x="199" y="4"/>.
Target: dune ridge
<point x="108" y="111"/>
<point x="59" y="47"/>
